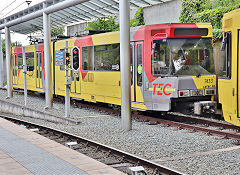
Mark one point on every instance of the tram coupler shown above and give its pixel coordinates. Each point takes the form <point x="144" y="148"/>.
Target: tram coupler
<point x="205" y="107"/>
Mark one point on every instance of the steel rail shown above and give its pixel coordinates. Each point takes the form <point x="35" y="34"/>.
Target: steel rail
<point x="127" y="156"/>
<point x="206" y="122"/>
<point x="188" y="126"/>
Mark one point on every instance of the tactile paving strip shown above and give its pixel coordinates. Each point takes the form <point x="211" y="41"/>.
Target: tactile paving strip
<point x="36" y="160"/>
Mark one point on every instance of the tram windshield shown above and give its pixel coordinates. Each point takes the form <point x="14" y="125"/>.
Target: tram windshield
<point x="190" y="56"/>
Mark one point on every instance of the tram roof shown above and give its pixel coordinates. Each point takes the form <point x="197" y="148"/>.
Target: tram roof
<point x="66" y="12"/>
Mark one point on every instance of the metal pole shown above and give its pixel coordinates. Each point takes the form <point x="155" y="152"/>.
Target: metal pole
<point x="25" y="75"/>
<point x="67" y="87"/>
<point x="8" y="63"/>
<point x="1" y="63"/>
<point x="48" y="61"/>
<point x="124" y="11"/>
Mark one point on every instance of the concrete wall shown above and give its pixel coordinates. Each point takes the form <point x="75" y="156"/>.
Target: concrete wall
<point x="20" y="110"/>
<point x="163" y="13"/>
<point x="74" y="29"/>
<point x="218" y="56"/>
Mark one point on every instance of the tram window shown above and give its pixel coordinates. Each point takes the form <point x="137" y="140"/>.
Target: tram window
<point x="160" y="57"/>
<point x="139" y="65"/>
<point x="39" y="65"/>
<point x="30" y="61"/>
<point x="107" y="57"/>
<point x="14" y="65"/>
<point x="225" y="64"/>
<point x="87" y="58"/>
<point x="20" y="61"/>
<point x="102" y="57"/>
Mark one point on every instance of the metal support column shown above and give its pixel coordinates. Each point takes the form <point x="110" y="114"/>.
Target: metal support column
<point x="1" y="63"/>
<point x="124" y="10"/>
<point x="25" y="75"/>
<point x="67" y="86"/>
<point x="8" y="63"/>
<point x="47" y="60"/>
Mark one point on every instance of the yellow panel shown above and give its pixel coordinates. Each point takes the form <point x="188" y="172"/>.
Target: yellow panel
<point x="90" y="77"/>
<point x="206" y="25"/>
<point x="228" y="87"/>
<point x="139" y="95"/>
<point x="31" y="75"/>
<point x="205" y="82"/>
<point x="106" y="38"/>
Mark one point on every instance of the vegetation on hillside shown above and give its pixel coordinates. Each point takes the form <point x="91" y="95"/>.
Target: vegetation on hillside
<point x="104" y="23"/>
<point x="57" y="32"/>
<point x="110" y="24"/>
<point x="208" y="11"/>
<point x="12" y="44"/>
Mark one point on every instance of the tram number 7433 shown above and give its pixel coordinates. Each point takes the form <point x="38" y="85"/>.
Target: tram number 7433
<point x="210" y="80"/>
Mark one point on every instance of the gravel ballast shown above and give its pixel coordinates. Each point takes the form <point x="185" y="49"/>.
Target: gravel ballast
<point x="165" y="145"/>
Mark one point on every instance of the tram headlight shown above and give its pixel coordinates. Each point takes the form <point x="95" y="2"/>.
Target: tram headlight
<point x="197" y="92"/>
<point x="209" y="91"/>
<point x="184" y="93"/>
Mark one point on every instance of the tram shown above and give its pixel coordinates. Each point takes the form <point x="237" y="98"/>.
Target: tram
<point x="171" y="64"/>
<point x="228" y="82"/>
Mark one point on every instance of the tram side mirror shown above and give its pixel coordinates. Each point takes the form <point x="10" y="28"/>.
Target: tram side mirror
<point x="224" y="43"/>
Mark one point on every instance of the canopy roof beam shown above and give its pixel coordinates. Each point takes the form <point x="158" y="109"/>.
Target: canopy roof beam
<point x="68" y="11"/>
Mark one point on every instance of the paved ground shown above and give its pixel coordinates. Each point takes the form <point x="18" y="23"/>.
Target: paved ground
<point x="24" y="152"/>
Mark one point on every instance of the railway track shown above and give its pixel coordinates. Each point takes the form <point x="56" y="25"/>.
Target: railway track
<point x="113" y="157"/>
<point x="193" y="124"/>
<point x="179" y="121"/>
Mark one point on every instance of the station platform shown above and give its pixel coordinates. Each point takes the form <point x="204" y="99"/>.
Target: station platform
<point x="23" y="152"/>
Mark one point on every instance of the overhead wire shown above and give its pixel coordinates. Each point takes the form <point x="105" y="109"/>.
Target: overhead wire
<point x="14" y="9"/>
<point x="8" y="5"/>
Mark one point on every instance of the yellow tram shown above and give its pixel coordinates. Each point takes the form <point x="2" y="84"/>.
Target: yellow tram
<point x="171" y="64"/>
<point x="228" y="81"/>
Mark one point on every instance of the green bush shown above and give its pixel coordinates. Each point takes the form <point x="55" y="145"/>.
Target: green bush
<point x="191" y="7"/>
<point x="202" y="11"/>
<point x="57" y="31"/>
<point x="104" y="23"/>
<point x="138" y="19"/>
<point x="214" y="16"/>
<point x="108" y="23"/>
<point x="217" y="34"/>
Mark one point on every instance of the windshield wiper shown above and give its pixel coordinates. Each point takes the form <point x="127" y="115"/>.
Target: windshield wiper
<point x="198" y="75"/>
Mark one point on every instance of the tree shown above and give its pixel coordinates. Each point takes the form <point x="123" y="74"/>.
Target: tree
<point x="12" y="45"/>
<point x="57" y="31"/>
<point x="104" y="23"/>
<point x="208" y="11"/>
<point x="109" y="24"/>
<point x="138" y="19"/>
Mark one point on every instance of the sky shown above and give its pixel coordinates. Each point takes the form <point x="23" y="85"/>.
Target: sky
<point x="9" y="7"/>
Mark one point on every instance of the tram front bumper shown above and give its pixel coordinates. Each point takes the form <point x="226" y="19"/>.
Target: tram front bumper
<point x="205" y="107"/>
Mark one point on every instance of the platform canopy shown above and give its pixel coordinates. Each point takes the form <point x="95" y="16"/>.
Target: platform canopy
<point x="66" y="12"/>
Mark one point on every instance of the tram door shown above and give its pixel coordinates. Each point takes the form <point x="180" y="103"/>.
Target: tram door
<point x="138" y="72"/>
<point x="15" y="68"/>
<point x="39" y="73"/>
<point x="227" y="82"/>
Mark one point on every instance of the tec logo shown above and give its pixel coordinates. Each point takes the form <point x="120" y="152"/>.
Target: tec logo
<point x="161" y="88"/>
